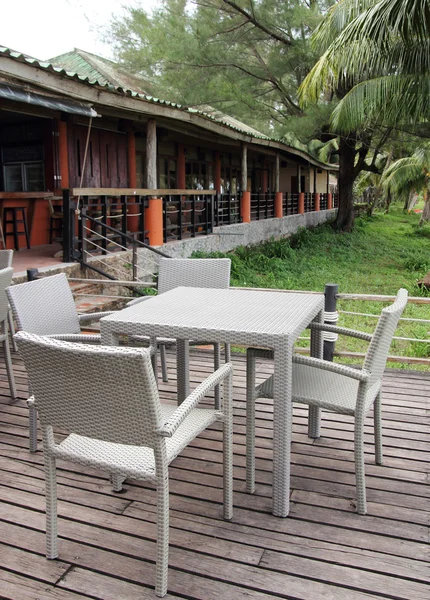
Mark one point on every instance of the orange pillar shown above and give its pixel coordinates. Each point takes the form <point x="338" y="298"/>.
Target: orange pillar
<point x="301" y="207"/>
<point x="245" y="207"/>
<point x="329" y="201"/>
<point x="154" y="221"/>
<point x="63" y="154"/>
<point x="278" y="205"/>
<point x="217" y="173"/>
<point x="180" y="175"/>
<point x="317" y="201"/>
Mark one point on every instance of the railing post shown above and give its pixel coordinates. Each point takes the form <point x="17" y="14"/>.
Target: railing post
<point x="301" y="204"/>
<point x="32" y="274"/>
<point x="154" y="221"/>
<point x="278" y="205"/>
<point x="69" y="207"/>
<point x="245" y="207"/>
<point x="329" y="201"/>
<point x="330" y="317"/>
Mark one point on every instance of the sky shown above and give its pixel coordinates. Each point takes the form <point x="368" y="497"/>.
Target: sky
<point x="47" y="28"/>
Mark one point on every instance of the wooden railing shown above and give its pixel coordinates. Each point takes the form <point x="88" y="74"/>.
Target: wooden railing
<point x="227" y="209"/>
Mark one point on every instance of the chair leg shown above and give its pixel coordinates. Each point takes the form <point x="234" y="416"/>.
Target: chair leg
<point x="217" y="364"/>
<point x="51" y="508"/>
<point x="359" y="464"/>
<point x="116" y="481"/>
<point x="227" y="353"/>
<point x="228" y="447"/>
<point x="314" y="422"/>
<point x="162" y="535"/>
<point x="12" y="329"/>
<point x="163" y="363"/>
<point x="8" y="361"/>
<point x="250" y="424"/>
<point x="377" y="420"/>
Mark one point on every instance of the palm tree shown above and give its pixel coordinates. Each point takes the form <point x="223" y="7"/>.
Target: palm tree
<point x="411" y="174"/>
<point x="376" y="63"/>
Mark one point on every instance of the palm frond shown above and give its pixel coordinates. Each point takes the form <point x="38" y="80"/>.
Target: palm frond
<point x="391" y="99"/>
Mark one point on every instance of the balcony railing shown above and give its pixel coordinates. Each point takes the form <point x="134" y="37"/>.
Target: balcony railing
<point x="227" y="209"/>
<point x="188" y="215"/>
<point x="262" y="205"/>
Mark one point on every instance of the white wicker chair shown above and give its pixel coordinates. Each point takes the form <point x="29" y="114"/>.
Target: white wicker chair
<point x="46" y="307"/>
<point x="106" y="398"/>
<point x="338" y="388"/>
<point x="191" y="272"/>
<point x="5" y="280"/>
<point x="6" y="259"/>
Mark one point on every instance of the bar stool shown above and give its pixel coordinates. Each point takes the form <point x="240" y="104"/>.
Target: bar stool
<point x="14" y="212"/>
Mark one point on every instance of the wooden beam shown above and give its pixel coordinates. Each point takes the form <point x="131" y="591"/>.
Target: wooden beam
<point x="122" y="192"/>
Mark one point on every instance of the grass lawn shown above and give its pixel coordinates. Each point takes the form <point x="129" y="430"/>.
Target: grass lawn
<point x="382" y="254"/>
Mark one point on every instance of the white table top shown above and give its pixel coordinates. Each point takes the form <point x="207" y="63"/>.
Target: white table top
<point x="228" y="315"/>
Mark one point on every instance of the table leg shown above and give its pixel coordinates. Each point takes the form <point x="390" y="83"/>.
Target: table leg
<point x="314" y="418"/>
<point x="282" y="429"/>
<point x="183" y="369"/>
<point x="108" y="338"/>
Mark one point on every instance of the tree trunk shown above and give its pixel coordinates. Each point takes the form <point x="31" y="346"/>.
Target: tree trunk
<point x="345" y="214"/>
<point x="425" y="216"/>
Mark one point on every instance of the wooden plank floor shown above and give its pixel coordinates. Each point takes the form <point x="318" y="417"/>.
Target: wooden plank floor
<point x="323" y="550"/>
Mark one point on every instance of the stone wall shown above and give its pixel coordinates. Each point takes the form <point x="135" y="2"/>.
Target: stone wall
<point x="229" y="237"/>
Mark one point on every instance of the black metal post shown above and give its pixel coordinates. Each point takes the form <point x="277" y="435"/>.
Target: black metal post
<point x="69" y="207"/>
<point x="32" y="274"/>
<point x="330" y="295"/>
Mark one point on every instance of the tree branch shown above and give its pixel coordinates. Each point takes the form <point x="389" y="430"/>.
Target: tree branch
<point x="257" y="24"/>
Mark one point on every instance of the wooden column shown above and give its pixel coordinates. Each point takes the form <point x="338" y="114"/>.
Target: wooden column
<point x="131" y="157"/>
<point x="133" y="208"/>
<point x="328" y="182"/>
<point x="217" y="172"/>
<point x="151" y="155"/>
<point x="299" y="179"/>
<point x="315" y="180"/>
<point x="245" y="201"/>
<point x="329" y="201"/>
<point x="317" y="202"/>
<point x="180" y="173"/>
<point x="277" y="174"/>
<point x="244" y="168"/>
<point x="154" y="212"/>
<point x="63" y="154"/>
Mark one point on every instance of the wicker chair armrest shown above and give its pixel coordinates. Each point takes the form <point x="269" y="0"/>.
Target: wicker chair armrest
<point x="94" y="316"/>
<point x="138" y="300"/>
<point x="325" y="365"/>
<point x="259" y="353"/>
<point x="341" y="330"/>
<point x="184" y="409"/>
<point x="83" y="338"/>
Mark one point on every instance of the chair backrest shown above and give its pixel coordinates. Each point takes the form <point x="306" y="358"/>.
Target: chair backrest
<point x="103" y="392"/>
<point x="5" y="279"/>
<point x="193" y="272"/>
<point x="6" y="257"/>
<point x="44" y="306"/>
<point x="377" y="352"/>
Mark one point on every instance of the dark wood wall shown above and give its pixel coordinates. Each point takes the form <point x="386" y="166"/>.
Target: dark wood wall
<point x="106" y="164"/>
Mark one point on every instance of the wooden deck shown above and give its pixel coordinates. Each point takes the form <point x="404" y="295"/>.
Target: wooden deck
<point x="323" y="550"/>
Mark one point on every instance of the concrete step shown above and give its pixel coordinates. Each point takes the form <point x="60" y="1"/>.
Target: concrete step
<point x="89" y="298"/>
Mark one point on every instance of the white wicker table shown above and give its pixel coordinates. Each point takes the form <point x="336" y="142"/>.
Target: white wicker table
<point x="245" y="317"/>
